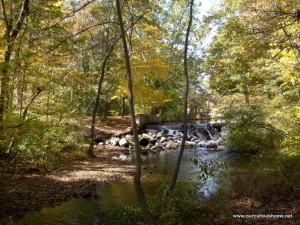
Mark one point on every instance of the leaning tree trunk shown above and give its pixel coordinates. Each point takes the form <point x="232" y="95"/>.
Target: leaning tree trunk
<point x="137" y="178"/>
<point x="91" y="148"/>
<point x="182" y="146"/>
<point x="32" y="98"/>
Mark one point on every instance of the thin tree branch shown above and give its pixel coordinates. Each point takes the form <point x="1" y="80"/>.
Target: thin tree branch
<point x="75" y="34"/>
<point x="21" y="124"/>
<point x="87" y="28"/>
<point x="99" y="92"/>
<point x="4" y="14"/>
<point x="23" y="14"/>
<point x="71" y="13"/>
<point x="32" y="98"/>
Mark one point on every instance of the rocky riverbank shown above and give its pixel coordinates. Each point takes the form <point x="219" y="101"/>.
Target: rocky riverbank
<point x="163" y="138"/>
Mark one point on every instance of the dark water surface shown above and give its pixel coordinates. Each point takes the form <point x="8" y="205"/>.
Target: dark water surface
<point x="157" y="169"/>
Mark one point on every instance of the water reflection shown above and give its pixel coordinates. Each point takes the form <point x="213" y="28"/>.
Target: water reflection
<point x="157" y="169"/>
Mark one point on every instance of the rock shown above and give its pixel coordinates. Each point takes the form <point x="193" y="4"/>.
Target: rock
<point x="157" y="147"/>
<point x="189" y="138"/>
<point x="201" y="136"/>
<point x="171" y="145"/>
<point x="163" y="139"/>
<point x="221" y="148"/>
<point x="124" y="143"/>
<point x="212" y="144"/>
<point x="114" y="141"/>
<point x="190" y="143"/>
<point x="221" y="141"/>
<point x="115" y="158"/>
<point x="202" y="144"/>
<point x="165" y="132"/>
<point x="99" y="139"/>
<point x="150" y="137"/>
<point x="159" y="135"/>
<point x="195" y="139"/>
<point x="128" y="137"/>
<point x="123" y="157"/>
<point x="175" y="133"/>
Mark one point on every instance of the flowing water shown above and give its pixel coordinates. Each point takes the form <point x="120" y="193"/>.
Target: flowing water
<point x="157" y="169"/>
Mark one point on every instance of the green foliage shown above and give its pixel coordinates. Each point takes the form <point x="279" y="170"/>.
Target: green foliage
<point x="247" y="58"/>
<point x="206" y="169"/>
<point x="42" y="147"/>
<point x="122" y="216"/>
<point x="247" y="130"/>
<point x="178" y="208"/>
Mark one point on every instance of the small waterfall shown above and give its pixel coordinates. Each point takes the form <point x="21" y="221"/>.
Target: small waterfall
<point x="176" y="130"/>
<point x="209" y="134"/>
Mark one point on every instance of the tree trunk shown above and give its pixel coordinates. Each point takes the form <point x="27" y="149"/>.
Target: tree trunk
<point x="246" y="95"/>
<point x="96" y="106"/>
<point x="137" y="178"/>
<point x="182" y="146"/>
<point x="11" y="33"/>
<point x="123" y="107"/>
<point x="32" y="98"/>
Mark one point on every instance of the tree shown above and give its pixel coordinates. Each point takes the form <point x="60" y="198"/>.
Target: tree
<point x="137" y="178"/>
<point x="90" y="151"/>
<point x="13" y="26"/>
<point x="185" y="117"/>
<point x="254" y="57"/>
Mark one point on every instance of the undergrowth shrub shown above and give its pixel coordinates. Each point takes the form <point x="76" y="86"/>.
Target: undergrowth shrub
<point x="37" y="146"/>
<point x="248" y="131"/>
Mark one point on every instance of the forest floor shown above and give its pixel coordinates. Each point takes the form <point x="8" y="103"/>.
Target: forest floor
<point x="31" y="191"/>
<point x="20" y="193"/>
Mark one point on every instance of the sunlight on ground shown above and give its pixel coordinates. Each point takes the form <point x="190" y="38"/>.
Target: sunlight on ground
<point x="95" y="173"/>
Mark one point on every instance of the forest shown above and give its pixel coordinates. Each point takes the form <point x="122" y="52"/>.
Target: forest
<point x="75" y="74"/>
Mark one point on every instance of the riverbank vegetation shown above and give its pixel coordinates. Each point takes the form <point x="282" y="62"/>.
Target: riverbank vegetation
<point x="63" y="61"/>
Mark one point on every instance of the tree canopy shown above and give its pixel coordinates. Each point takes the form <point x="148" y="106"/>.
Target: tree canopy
<point x="52" y="54"/>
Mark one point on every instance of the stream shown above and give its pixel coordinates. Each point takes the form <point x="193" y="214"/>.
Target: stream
<point x="157" y="170"/>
